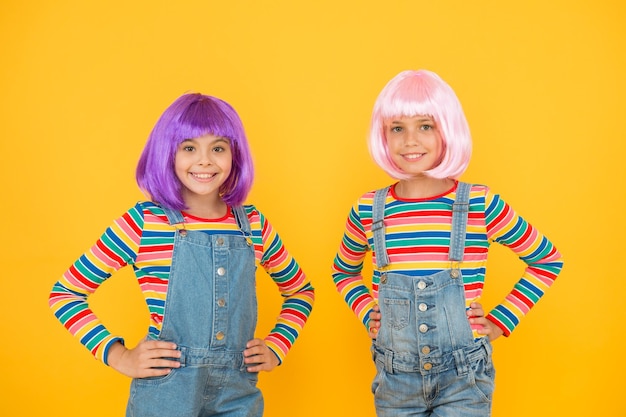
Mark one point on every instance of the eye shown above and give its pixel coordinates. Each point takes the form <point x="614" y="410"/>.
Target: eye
<point x="396" y="129"/>
<point x="218" y="149"/>
<point x="426" y="127"/>
<point x="188" y="148"/>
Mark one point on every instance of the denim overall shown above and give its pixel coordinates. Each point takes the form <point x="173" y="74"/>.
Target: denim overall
<point x="210" y="313"/>
<point x="427" y="360"/>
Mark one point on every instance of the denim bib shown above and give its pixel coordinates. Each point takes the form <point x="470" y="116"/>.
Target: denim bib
<point x="210" y="313"/>
<point x="425" y="335"/>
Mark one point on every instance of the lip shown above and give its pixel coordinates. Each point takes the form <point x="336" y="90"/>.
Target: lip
<point x="413" y="156"/>
<point x="203" y="176"/>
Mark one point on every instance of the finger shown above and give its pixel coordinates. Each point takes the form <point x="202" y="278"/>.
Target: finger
<point x="255" y="359"/>
<point x="255" y="351"/>
<point x="158" y="344"/>
<point x="160" y="354"/>
<point x="481" y="324"/>
<point x="152" y="372"/>
<point x="475" y="310"/>
<point x="255" y="342"/>
<point x="164" y="363"/>
<point x="258" y="367"/>
<point x="260" y="363"/>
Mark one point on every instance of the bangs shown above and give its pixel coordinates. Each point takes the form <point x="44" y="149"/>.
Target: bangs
<point x="408" y="101"/>
<point x="206" y="117"/>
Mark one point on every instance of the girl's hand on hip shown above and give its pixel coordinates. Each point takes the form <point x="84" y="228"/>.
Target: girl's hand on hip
<point x="481" y="324"/>
<point x="259" y="357"/>
<point x="147" y="359"/>
<point x="490" y="329"/>
<point x="374" y="323"/>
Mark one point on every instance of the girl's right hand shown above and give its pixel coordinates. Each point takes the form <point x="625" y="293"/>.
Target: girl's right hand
<point x="147" y="359"/>
<point x="374" y="324"/>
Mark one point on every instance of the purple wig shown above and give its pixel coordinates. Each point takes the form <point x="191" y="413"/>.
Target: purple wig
<point x="192" y="116"/>
<point x="422" y="93"/>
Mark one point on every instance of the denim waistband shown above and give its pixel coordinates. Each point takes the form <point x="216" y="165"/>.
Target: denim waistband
<point x="201" y="356"/>
<point x="461" y="359"/>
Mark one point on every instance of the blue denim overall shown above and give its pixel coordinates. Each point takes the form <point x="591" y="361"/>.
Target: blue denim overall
<point x="427" y="360"/>
<point x="210" y="313"/>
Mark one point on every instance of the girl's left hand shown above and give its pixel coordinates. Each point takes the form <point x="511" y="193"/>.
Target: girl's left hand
<point x="374" y="323"/>
<point x="481" y="324"/>
<point x="261" y="356"/>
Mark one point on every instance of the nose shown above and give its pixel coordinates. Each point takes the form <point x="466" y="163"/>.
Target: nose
<point x="412" y="137"/>
<point x="204" y="158"/>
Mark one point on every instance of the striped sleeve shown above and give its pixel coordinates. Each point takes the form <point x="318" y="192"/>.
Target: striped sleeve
<point x="116" y="248"/>
<point x="297" y="292"/>
<point x="348" y="265"/>
<point x="543" y="261"/>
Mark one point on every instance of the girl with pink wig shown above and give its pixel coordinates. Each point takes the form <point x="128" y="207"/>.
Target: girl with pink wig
<point x="430" y="234"/>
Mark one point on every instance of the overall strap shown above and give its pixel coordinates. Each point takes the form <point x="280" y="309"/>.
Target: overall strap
<point x="173" y="216"/>
<point x="460" y="209"/>
<point x="242" y="220"/>
<point x="378" y="227"/>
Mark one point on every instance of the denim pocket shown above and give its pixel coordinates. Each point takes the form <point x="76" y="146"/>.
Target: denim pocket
<point x="396" y="312"/>
<point x="156" y="380"/>
<point x="482" y="378"/>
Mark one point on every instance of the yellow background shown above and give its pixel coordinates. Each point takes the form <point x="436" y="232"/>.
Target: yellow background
<point x="542" y="84"/>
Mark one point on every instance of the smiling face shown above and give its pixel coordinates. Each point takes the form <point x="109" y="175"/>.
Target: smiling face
<point x="202" y="165"/>
<point x="414" y="143"/>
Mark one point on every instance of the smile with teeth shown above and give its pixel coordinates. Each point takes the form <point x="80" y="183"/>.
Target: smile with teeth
<point x="413" y="156"/>
<point x="202" y="176"/>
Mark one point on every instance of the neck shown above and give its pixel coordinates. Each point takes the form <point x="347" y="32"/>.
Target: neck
<point x="206" y="208"/>
<point x="422" y="187"/>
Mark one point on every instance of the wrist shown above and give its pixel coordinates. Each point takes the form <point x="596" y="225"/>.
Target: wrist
<point x="116" y="350"/>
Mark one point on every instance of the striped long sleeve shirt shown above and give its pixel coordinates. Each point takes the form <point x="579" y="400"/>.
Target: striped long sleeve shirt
<point x="418" y="238"/>
<point x="143" y="238"/>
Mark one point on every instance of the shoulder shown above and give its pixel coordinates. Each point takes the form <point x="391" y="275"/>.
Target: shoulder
<point x="148" y="212"/>
<point x="479" y="191"/>
<point x="367" y="199"/>
<point x="252" y="211"/>
<point x="255" y="216"/>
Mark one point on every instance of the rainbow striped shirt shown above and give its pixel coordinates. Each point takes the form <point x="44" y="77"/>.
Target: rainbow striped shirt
<point x="143" y="238"/>
<point x="418" y="238"/>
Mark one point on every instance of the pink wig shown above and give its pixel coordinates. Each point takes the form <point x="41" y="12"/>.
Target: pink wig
<point x="424" y="93"/>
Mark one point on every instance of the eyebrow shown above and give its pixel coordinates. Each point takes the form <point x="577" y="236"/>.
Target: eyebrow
<point x="421" y="119"/>
<point x="217" y="140"/>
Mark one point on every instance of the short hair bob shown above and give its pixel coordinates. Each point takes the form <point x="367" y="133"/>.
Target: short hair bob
<point x="412" y="93"/>
<point x="190" y="116"/>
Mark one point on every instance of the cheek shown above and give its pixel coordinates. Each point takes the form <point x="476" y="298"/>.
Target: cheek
<point x="180" y="167"/>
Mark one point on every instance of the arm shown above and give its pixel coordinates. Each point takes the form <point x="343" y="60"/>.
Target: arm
<point x="115" y="249"/>
<point x="347" y="267"/>
<point x="298" y="297"/>
<point x="543" y="262"/>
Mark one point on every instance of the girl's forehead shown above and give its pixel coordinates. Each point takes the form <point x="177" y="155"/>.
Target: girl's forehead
<point x="409" y="118"/>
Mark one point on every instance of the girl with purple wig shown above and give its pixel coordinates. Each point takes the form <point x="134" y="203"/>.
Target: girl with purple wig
<point x="429" y="235"/>
<point x="194" y="247"/>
